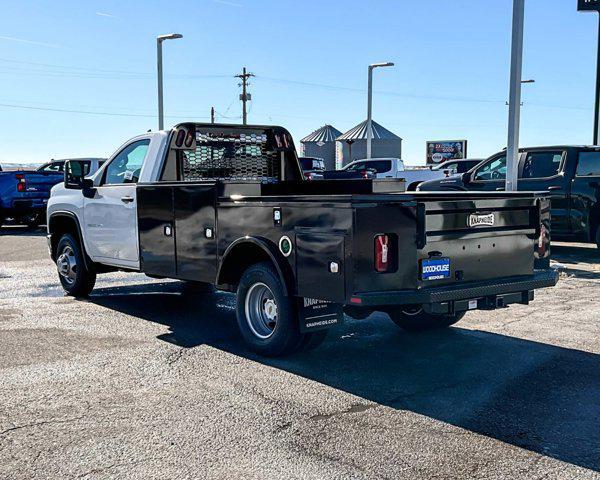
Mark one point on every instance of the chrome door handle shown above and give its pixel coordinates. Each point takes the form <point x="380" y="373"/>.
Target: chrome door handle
<point x="127" y="199"/>
<point x="554" y="187"/>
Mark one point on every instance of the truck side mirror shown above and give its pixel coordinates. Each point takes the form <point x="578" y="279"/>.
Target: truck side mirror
<point x="75" y="172"/>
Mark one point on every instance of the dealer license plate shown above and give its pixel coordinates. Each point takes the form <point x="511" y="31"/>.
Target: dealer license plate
<point x="435" y="268"/>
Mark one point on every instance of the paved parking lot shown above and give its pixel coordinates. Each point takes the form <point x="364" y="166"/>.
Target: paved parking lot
<point x="148" y="379"/>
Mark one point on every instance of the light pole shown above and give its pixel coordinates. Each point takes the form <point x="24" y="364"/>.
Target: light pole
<point x="370" y="104"/>
<point x="159" y="40"/>
<point x="514" y="101"/>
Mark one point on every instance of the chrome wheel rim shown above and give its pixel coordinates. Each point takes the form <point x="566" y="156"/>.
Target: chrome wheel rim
<point x="261" y="310"/>
<point x="66" y="263"/>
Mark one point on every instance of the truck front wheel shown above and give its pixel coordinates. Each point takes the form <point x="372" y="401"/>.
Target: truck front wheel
<point x="74" y="276"/>
<point x="415" y="319"/>
<point x="266" y="316"/>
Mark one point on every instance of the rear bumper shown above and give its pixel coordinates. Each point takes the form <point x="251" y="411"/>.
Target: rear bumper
<point x="18" y="207"/>
<point x="487" y="293"/>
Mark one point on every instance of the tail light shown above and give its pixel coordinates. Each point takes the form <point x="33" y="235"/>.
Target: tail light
<point x="22" y="183"/>
<point x="365" y="175"/>
<point x="382" y="253"/>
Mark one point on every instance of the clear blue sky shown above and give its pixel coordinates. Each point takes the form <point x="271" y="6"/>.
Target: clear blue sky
<point x="310" y="59"/>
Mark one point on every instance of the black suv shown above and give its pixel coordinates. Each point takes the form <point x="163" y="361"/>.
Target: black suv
<point x="570" y="175"/>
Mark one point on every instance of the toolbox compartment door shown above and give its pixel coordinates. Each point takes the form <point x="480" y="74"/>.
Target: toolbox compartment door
<point x="156" y="232"/>
<point x="195" y="224"/>
<point x="315" y="251"/>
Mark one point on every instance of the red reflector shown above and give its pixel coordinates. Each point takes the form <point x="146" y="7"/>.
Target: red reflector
<point x="382" y="253"/>
<point x="356" y="300"/>
<point x="21" y="186"/>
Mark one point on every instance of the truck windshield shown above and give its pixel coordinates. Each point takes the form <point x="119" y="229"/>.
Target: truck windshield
<point x="312" y="164"/>
<point x="377" y="166"/>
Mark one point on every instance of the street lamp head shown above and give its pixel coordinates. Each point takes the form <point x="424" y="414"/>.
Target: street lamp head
<point x="386" y="64"/>
<point x="169" y="36"/>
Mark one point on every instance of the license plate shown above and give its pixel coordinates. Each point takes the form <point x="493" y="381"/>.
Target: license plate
<point x="435" y="268"/>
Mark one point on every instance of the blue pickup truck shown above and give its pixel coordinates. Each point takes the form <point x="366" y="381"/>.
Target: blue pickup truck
<point x="24" y="193"/>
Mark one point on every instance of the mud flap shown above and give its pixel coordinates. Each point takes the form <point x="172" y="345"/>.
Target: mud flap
<point x="316" y="314"/>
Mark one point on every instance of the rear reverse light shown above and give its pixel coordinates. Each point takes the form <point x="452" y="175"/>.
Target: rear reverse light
<point x="382" y="253"/>
<point x="22" y="184"/>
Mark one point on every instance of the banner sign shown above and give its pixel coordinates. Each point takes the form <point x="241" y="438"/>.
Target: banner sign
<point x="586" y="5"/>
<point x="438" y="152"/>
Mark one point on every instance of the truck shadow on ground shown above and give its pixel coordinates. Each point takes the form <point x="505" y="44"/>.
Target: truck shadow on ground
<point x="540" y="397"/>
<point x="22" y="231"/>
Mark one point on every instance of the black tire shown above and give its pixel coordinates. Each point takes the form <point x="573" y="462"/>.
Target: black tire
<point x="414" y="319"/>
<point x="597" y="237"/>
<point x="75" y="277"/>
<point x="271" y="327"/>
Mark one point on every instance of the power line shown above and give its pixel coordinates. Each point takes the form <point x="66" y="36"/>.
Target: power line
<point x="87" y="112"/>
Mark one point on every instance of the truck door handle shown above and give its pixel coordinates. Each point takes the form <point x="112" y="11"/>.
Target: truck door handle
<point x="127" y="199"/>
<point x="555" y="187"/>
<point x="499" y="189"/>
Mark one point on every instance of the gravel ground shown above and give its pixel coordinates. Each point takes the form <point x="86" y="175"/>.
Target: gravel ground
<point x="150" y="380"/>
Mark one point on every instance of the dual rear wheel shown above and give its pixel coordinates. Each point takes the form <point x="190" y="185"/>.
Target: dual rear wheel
<point x="267" y="317"/>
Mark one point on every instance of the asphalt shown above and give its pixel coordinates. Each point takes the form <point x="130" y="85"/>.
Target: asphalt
<point x="149" y="380"/>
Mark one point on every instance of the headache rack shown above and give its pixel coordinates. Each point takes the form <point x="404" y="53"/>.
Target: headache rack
<point x="222" y="155"/>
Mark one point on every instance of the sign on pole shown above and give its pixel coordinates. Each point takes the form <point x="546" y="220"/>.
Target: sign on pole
<point x="586" y="5"/>
<point x="440" y="151"/>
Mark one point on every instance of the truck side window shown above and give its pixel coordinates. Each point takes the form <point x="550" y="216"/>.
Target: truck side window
<point x="126" y="166"/>
<point x="589" y="164"/>
<point x="542" y="164"/>
<point x="495" y="169"/>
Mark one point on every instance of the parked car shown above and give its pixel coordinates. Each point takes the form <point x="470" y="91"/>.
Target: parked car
<point x="312" y="167"/>
<point x="227" y="205"/>
<point x="568" y="175"/>
<point x="456" y="167"/>
<point x="383" y="168"/>
<point x="24" y="193"/>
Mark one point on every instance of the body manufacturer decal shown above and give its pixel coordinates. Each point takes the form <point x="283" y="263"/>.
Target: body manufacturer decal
<point x="477" y="220"/>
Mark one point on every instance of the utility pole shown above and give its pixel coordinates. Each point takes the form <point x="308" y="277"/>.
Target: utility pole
<point x="212" y="114"/>
<point x="514" y="102"/>
<point x="244" y="96"/>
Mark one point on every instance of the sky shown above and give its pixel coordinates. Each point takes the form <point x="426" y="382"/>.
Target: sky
<point x="79" y="78"/>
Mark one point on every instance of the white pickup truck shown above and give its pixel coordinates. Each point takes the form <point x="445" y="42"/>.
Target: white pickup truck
<point x="385" y="168"/>
<point x="229" y="205"/>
